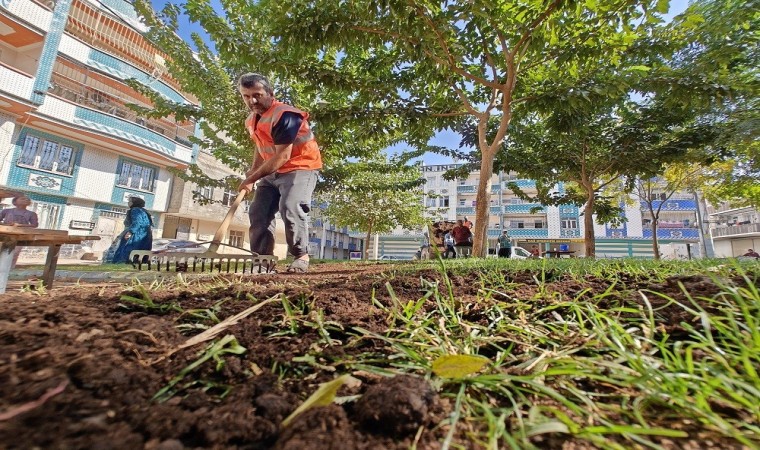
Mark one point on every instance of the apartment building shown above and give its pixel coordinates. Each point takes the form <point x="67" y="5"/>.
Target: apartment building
<point x="549" y="227"/>
<point x="733" y="230"/>
<point x="68" y="139"/>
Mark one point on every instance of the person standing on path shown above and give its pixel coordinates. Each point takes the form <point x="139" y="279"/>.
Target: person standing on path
<point x="462" y="239"/>
<point x="505" y="245"/>
<point x="137" y="234"/>
<point x="19" y="216"/>
<point x="286" y="164"/>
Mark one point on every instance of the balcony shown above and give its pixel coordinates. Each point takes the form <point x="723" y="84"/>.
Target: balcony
<point x="524" y="208"/>
<point x="15" y="83"/>
<point x="521" y="183"/>
<point x="30" y="12"/>
<point x="110" y="125"/>
<point x="529" y="232"/>
<point x="466" y="189"/>
<point x="749" y="229"/>
<point x="496" y="210"/>
<point x="112" y="103"/>
<point x="673" y="233"/>
<point x="671" y="205"/>
<point x="463" y="210"/>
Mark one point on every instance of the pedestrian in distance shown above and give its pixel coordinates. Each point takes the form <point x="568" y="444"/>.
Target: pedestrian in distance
<point x="505" y="245"/>
<point x="752" y="254"/>
<point x="448" y="242"/>
<point x="462" y="239"/>
<point x="19" y="216"/>
<point x="137" y="234"/>
<point x="286" y="165"/>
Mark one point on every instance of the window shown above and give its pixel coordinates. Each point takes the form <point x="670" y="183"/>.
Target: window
<point x="538" y="224"/>
<point x="235" y="238"/>
<point x="569" y="223"/>
<point x="135" y="176"/>
<point x="430" y="202"/>
<point x="443" y="202"/>
<point x="229" y="197"/>
<point x="516" y="224"/>
<point x="430" y="181"/>
<point x="461" y="202"/>
<point x="206" y="192"/>
<point x="47" y="155"/>
<point x="47" y="214"/>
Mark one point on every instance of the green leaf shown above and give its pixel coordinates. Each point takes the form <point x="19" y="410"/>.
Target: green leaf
<point x="552" y="426"/>
<point x="458" y="366"/>
<point x="322" y="397"/>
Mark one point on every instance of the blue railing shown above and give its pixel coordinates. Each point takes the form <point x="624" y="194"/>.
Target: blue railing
<point x="469" y="189"/>
<point x="529" y="232"/>
<point x="461" y="210"/>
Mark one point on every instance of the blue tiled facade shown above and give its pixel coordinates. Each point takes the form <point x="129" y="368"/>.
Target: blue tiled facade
<point x="463" y="210"/>
<point x="528" y="232"/>
<point x="673" y="233"/>
<point x="50" y="50"/>
<point x="524" y="208"/>
<point x="671" y="205"/>
<point x="19" y="175"/>
<point x="106" y="123"/>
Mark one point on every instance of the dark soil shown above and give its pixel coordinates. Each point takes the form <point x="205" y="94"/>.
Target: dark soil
<point x="86" y="364"/>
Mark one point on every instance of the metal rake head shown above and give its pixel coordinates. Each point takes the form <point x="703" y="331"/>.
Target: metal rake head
<point x="209" y="262"/>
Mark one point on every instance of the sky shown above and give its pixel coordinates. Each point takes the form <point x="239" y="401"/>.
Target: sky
<point x="444" y="138"/>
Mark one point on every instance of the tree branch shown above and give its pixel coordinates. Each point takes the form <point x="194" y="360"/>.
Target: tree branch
<point x="529" y="32"/>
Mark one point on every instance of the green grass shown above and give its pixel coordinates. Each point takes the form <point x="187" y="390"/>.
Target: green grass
<point x="581" y="368"/>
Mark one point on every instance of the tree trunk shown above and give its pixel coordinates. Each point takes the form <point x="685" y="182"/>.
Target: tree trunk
<point x="483" y="205"/>
<point x="367" y="243"/>
<point x="588" y="224"/>
<point x="655" y="244"/>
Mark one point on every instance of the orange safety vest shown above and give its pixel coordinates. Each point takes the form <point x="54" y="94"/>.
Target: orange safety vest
<point x="305" y="154"/>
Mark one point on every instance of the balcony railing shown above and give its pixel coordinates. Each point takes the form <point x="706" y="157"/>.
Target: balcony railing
<point x="33" y="13"/>
<point x="15" y="83"/>
<point x="736" y="230"/>
<point x="673" y="233"/>
<point x="101" y="101"/>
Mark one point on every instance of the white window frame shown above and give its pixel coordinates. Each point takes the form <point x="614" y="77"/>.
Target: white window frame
<point x="568" y="224"/>
<point x="47" y="155"/>
<point x="135" y="176"/>
<point x="228" y="197"/>
<point x="236" y="238"/>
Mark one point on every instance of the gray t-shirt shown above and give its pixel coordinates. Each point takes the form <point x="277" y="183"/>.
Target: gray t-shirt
<point x="10" y="216"/>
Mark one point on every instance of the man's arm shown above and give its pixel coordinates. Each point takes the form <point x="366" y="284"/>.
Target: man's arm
<point x="281" y="156"/>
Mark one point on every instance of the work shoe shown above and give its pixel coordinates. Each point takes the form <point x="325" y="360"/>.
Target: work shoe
<point x="298" y="266"/>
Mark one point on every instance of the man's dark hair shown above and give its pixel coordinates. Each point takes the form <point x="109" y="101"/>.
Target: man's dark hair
<point x="248" y="80"/>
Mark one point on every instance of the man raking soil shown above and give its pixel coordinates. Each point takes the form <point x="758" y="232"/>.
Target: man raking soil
<point x="285" y="164"/>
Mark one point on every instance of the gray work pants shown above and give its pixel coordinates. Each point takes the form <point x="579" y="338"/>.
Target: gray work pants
<point x="290" y="194"/>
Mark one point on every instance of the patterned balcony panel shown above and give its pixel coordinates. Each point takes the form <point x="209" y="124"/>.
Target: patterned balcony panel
<point x="495" y="210"/>
<point x="673" y="233"/>
<point x="568" y="211"/>
<point x="469" y="189"/>
<point x="29" y="12"/>
<point x="462" y="210"/>
<point x="114" y="126"/>
<point x="570" y="232"/>
<point x="524" y="208"/>
<point x="529" y="232"/>
<point x="495" y="188"/>
<point x="671" y="205"/>
<point x="522" y="183"/>
<point x="15" y="83"/>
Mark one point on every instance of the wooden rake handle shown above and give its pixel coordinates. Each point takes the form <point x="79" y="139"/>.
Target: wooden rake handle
<point x="219" y="235"/>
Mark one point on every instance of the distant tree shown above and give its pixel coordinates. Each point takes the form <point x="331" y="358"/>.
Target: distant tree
<point x="375" y="197"/>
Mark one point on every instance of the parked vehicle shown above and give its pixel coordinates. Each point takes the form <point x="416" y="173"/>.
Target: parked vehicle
<point x="177" y="245"/>
<point x="520" y="253"/>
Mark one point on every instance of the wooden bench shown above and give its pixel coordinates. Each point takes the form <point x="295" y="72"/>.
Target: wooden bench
<point x="11" y="237"/>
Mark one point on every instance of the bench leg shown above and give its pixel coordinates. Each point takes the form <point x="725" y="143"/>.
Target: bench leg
<point x="6" y="261"/>
<point x="50" y="265"/>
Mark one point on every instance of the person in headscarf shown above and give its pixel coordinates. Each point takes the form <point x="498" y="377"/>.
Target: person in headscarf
<point x="137" y="234"/>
